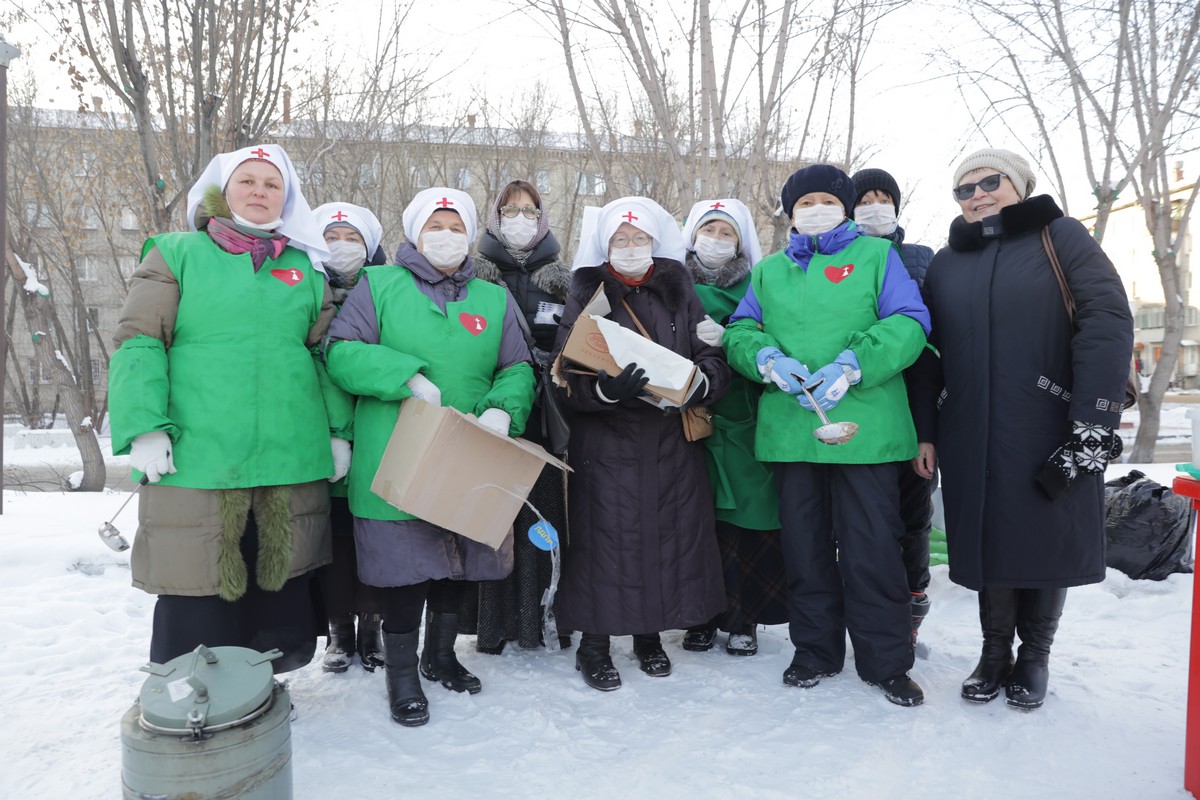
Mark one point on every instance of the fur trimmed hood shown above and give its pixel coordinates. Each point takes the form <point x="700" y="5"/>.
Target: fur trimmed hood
<point x="670" y="281"/>
<point x="1028" y="216"/>
<point x="733" y="271"/>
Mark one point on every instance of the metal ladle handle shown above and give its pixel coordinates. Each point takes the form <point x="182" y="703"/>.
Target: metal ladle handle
<point x="816" y="408"/>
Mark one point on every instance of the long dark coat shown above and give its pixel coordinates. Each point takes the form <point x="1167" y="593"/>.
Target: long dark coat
<point x="643" y="553"/>
<point x="1015" y="375"/>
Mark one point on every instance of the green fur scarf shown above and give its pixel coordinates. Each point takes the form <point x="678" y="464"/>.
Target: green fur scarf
<point x="271" y="506"/>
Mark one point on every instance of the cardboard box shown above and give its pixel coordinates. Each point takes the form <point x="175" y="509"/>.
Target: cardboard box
<point x="586" y="347"/>
<point x="443" y="466"/>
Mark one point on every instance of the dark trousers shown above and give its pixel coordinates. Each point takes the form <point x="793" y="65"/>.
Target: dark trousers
<point x="345" y="595"/>
<point x="402" y="604"/>
<point x="916" y="511"/>
<point x="841" y="549"/>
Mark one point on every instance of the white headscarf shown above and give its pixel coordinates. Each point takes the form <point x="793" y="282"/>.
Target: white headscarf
<point x="599" y="225"/>
<point x="736" y="209"/>
<point x="359" y="218"/>
<point x="298" y="223"/>
<point x="438" y="198"/>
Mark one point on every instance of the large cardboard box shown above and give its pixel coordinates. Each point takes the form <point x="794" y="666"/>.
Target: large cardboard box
<point x="587" y="347"/>
<point x="443" y="466"/>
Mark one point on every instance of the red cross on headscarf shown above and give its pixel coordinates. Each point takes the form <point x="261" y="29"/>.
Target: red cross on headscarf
<point x="717" y="206"/>
<point x="338" y="216"/>
<point x="628" y="217"/>
<point x="260" y="153"/>
<point x="444" y="202"/>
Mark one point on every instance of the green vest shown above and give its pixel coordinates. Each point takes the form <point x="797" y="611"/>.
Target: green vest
<point x="813" y="315"/>
<point x="743" y="487"/>
<point x="460" y="348"/>
<point x="242" y="391"/>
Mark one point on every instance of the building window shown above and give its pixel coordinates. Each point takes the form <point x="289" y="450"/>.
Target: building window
<point x="93" y="318"/>
<point x="36" y="215"/>
<point x="95" y="371"/>
<point x="1191" y="315"/>
<point x="38" y="373"/>
<point x="368" y="174"/>
<point x="464" y="178"/>
<point x="128" y="265"/>
<point x="586" y="183"/>
<point x="310" y="174"/>
<point x="421" y="176"/>
<point x="91" y="220"/>
<point x="129" y="220"/>
<point x="83" y="167"/>
<point x="85" y="268"/>
<point x="542" y="180"/>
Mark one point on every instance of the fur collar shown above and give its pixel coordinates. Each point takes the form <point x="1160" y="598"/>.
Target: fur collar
<point x="670" y="281"/>
<point x="1028" y="216"/>
<point x="546" y="271"/>
<point x="212" y="204"/>
<point x="734" y="270"/>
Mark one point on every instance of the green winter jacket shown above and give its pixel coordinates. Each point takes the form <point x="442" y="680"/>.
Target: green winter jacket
<point x="813" y="315"/>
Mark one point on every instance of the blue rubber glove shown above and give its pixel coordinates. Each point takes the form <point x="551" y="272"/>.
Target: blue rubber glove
<point x="786" y="373"/>
<point x="829" y="384"/>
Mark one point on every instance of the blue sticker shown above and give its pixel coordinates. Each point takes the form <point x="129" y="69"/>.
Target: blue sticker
<point x="543" y="535"/>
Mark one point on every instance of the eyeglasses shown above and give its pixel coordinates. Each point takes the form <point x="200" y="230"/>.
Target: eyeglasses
<point x="529" y="211"/>
<point x="965" y="191"/>
<point x="637" y="240"/>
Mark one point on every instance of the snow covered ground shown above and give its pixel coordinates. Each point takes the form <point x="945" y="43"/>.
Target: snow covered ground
<point x="75" y="632"/>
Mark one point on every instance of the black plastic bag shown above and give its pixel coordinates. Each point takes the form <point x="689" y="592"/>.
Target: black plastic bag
<point x="1148" y="528"/>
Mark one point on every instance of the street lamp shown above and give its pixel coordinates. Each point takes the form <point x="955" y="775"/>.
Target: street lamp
<point x="7" y="53"/>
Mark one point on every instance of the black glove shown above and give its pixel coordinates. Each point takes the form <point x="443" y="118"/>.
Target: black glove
<point x="697" y="396"/>
<point x="1088" y="451"/>
<point x="622" y="387"/>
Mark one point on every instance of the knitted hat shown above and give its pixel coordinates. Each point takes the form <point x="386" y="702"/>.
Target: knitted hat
<point x="866" y="180"/>
<point x="1016" y="168"/>
<point x="818" y="178"/>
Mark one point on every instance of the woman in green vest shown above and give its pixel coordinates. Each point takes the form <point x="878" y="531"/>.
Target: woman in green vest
<point x="426" y="330"/>
<point x="836" y="314"/>
<point x="722" y="246"/>
<point x="217" y="393"/>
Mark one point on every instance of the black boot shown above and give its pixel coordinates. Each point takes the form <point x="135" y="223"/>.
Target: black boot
<point x="370" y="650"/>
<point x="743" y="642"/>
<point x="699" y="638"/>
<point x="438" y="661"/>
<point x="650" y="655"/>
<point x="405" y="698"/>
<point x="1037" y="621"/>
<point x="901" y="690"/>
<point x="998" y="619"/>
<point x="920" y="608"/>
<point x="592" y="659"/>
<point x="339" y="651"/>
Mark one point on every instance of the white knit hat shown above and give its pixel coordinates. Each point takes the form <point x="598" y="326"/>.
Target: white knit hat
<point x="1016" y="168"/>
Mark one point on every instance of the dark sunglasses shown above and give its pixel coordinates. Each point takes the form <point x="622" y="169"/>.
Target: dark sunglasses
<point x="965" y="191"/>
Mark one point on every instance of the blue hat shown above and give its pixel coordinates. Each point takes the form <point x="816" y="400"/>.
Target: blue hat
<point x="818" y="178"/>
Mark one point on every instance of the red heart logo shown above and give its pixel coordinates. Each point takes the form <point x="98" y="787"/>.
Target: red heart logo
<point x="473" y="322"/>
<point x="839" y="274"/>
<point x="289" y="276"/>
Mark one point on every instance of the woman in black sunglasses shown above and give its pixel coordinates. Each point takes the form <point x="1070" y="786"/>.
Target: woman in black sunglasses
<point x="1026" y="424"/>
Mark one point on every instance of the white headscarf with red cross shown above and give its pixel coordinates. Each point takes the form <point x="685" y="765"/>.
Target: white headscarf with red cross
<point x="599" y="225"/>
<point x="439" y="198"/>
<point x="352" y="216"/>
<point x="736" y="210"/>
<point x="298" y="224"/>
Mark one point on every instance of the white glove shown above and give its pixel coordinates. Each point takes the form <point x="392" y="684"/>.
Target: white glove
<point x="710" y="332"/>
<point x="423" y="389"/>
<point x="151" y="453"/>
<point x="341" y="458"/>
<point x="496" y="419"/>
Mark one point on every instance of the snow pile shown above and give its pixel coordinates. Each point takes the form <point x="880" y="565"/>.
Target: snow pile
<point x="75" y="633"/>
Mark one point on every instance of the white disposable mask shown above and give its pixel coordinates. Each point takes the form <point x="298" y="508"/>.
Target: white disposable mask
<point x="346" y="256"/>
<point x="632" y="262"/>
<point x="817" y="219"/>
<point x="445" y="250"/>
<point x="714" y="253"/>
<point x="258" y="226"/>
<point x="877" y="219"/>
<point x="518" y="231"/>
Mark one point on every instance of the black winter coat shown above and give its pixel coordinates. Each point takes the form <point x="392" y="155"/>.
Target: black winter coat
<point x="916" y="257"/>
<point x="1016" y="373"/>
<point x="643" y="551"/>
<point x="542" y="281"/>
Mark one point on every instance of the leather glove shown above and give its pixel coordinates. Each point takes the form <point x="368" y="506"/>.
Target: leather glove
<point x="786" y="373"/>
<point x="1093" y="446"/>
<point x="710" y="332"/>
<point x="423" y="389"/>
<point x="829" y="384"/>
<point x="341" y="458"/>
<point x="629" y="383"/>
<point x="151" y="454"/>
<point x="497" y="419"/>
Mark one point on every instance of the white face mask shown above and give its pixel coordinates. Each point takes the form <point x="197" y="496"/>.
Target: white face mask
<point x="714" y="253"/>
<point x="632" y="262"/>
<point x="877" y="219"/>
<point x="445" y="250"/>
<point x="817" y="219"/>
<point x="258" y="226"/>
<point x="346" y="256"/>
<point x="518" y="231"/>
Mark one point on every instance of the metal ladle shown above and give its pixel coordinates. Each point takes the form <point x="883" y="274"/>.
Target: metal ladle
<point x="109" y="533"/>
<point x="829" y="432"/>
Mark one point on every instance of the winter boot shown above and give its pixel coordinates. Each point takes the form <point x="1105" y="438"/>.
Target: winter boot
<point x="743" y="642"/>
<point x="650" y="655"/>
<point x="592" y="659"/>
<point x="1037" y="621"/>
<point x="998" y="620"/>
<point x="920" y="607"/>
<point x="438" y="661"/>
<point x="405" y="698"/>
<point x="339" y="651"/>
<point x="901" y="690"/>
<point x="803" y="676"/>
<point x="370" y="651"/>
<point x="699" y="638"/>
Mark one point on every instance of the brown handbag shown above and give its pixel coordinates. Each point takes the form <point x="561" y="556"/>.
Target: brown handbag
<point x="1131" y="387"/>
<point x="697" y="420"/>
